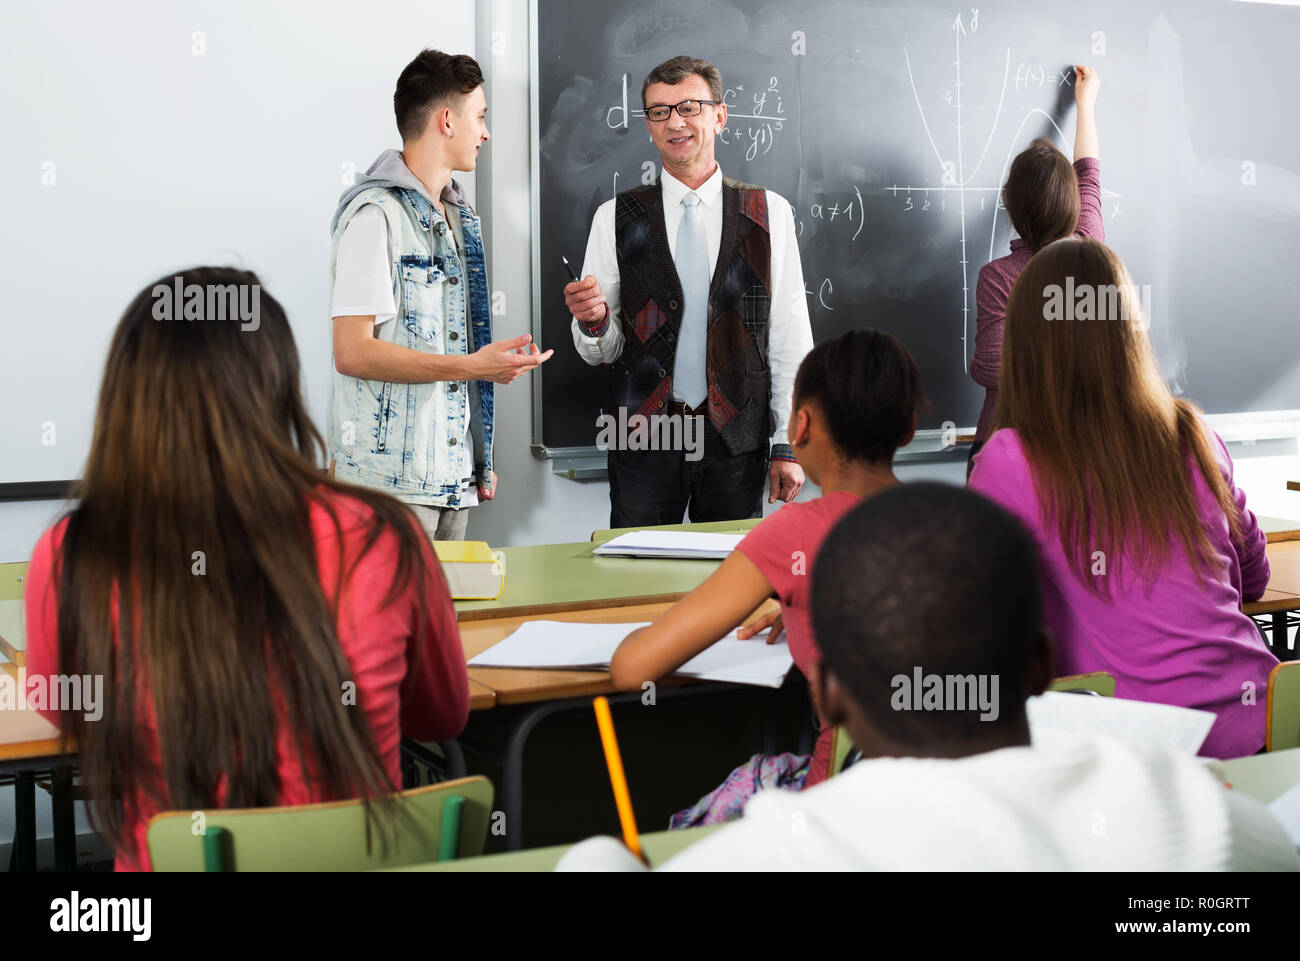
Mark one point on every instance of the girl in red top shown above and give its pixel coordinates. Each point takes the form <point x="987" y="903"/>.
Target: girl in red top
<point x="281" y="630"/>
<point x="855" y="403"/>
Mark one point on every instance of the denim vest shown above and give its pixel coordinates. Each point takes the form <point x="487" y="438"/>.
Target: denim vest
<point x="409" y="439"/>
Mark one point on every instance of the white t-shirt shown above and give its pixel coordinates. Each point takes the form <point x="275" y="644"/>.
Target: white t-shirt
<point x="363" y="286"/>
<point x="1068" y="803"/>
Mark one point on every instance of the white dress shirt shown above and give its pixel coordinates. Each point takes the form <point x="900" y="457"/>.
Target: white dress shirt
<point x="789" y="331"/>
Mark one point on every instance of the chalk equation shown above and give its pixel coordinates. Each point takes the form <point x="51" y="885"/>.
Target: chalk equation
<point x="957" y="187"/>
<point x="755" y="118"/>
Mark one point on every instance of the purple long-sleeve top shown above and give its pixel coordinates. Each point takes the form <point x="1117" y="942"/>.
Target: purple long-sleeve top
<point x="994" y="287"/>
<point x="1178" y="640"/>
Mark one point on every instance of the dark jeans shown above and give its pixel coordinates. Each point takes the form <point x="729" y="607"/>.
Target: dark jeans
<point x="651" y="487"/>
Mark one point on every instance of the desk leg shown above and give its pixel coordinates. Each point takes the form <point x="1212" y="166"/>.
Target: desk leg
<point x="65" y="823"/>
<point x="512" y="769"/>
<point x="455" y="756"/>
<point x="1279" y="645"/>
<point x="22" y="856"/>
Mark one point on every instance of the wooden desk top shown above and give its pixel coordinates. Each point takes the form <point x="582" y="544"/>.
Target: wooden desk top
<point x="522" y="686"/>
<point x="481" y="697"/>
<point x="25" y="734"/>
<point x="1279" y="528"/>
<point x="1293" y="485"/>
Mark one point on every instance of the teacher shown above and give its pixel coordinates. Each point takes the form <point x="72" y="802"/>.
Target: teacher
<point x="693" y="294"/>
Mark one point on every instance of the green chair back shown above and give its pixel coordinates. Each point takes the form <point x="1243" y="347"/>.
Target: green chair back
<point x="11" y="581"/>
<point x="435" y="822"/>
<point x="13" y="642"/>
<point x="658" y="847"/>
<point x="1103" y="682"/>
<point x="1282" y="729"/>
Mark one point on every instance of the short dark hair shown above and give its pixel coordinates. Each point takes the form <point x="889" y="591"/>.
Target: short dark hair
<point x="1042" y="194"/>
<point x="932" y="576"/>
<point x="432" y="79"/>
<point x="677" y="69"/>
<point x="868" y="387"/>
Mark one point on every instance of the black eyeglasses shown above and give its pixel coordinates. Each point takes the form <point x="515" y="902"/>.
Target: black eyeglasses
<point x="687" y="108"/>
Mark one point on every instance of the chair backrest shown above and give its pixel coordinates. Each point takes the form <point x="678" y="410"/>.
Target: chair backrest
<point x="841" y="748"/>
<point x="1282" y="724"/>
<point x="1101" y="682"/>
<point x="11" y="581"/>
<point x="326" y="837"/>
<point x="13" y="642"/>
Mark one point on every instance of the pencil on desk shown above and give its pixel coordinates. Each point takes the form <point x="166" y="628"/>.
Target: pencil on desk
<point x="617" y="779"/>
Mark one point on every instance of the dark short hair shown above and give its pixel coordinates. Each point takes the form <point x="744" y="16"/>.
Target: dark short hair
<point x="677" y="69"/>
<point x="1042" y="194"/>
<point x="868" y="387"/>
<point x="932" y="576"/>
<point x="432" y="79"/>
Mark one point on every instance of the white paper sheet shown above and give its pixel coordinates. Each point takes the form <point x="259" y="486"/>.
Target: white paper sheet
<point x="1139" y="723"/>
<point x="563" y="645"/>
<point x="1286" y="808"/>
<point x="678" y="544"/>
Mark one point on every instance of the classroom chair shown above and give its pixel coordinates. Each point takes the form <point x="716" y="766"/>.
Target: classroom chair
<point x="1282" y="721"/>
<point x="1097" y="682"/>
<point x="658" y="847"/>
<point x="439" y="822"/>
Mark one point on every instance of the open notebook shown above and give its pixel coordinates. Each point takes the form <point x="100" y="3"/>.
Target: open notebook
<point x="561" y="645"/>
<point x="689" y="545"/>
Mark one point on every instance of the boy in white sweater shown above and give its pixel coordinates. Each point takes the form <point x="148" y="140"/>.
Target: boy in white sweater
<point x="937" y="578"/>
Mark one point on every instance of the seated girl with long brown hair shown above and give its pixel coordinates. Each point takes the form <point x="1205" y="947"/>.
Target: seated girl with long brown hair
<point x="1148" y="549"/>
<point x="265" y="634"/>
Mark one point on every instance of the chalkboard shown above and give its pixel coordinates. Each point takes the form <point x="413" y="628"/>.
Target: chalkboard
<point x="890" y="126"/>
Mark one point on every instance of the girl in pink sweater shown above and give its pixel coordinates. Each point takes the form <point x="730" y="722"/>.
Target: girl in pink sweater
<point x="1046" y="199"/>
<point x="1148" y="549"/>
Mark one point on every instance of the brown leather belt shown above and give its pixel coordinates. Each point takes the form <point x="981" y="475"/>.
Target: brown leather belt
<point x="684" y="410"/>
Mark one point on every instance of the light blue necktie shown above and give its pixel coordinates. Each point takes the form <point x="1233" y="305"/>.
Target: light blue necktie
<point x="689" y="382"/>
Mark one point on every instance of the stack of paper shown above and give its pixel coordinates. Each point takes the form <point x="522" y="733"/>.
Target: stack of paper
<point x="1139" y="723"/>
<point x="560" y="645"/>
<point x="689" y="545"/>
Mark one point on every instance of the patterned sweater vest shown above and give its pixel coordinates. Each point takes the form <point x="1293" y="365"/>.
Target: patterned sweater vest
<point x="739" y="378"/>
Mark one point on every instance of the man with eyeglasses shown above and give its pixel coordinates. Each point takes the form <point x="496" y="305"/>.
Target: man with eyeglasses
<point x="693" y="294"/>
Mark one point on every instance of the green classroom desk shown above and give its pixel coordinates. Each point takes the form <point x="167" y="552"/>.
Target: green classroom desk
<point x="658" y="848"/>
<point x="1265" y="777"/>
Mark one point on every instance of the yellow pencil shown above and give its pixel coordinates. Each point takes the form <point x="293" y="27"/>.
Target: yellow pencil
<point x="617" y="779"/>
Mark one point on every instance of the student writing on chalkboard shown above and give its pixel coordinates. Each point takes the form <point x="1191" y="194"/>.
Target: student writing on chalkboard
<point x="1148" y="549"/>
<point x="723" y="353"/>
<point x="1046" y="199"/>
<point x="411" y="399"/>
<point x="935" y="579"/>
<point x="264" y="634"/>
<point x="855" y="403"/>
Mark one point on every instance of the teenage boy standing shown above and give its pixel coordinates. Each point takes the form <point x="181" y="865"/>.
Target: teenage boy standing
<point x="411" y="398"/>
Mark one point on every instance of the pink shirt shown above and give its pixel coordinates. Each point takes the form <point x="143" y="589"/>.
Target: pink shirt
<point x="1184" y="642"/>
<point x="783" y="548"/>
<point x="422" y="694"/>
<point x="996" y="279"/>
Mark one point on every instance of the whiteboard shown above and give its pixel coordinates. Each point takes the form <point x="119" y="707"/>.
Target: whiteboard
<point x="152" y="136"/>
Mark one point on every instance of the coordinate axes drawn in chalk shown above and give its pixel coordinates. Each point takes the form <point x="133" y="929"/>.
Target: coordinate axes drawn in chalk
<point x="952" y="172"/>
